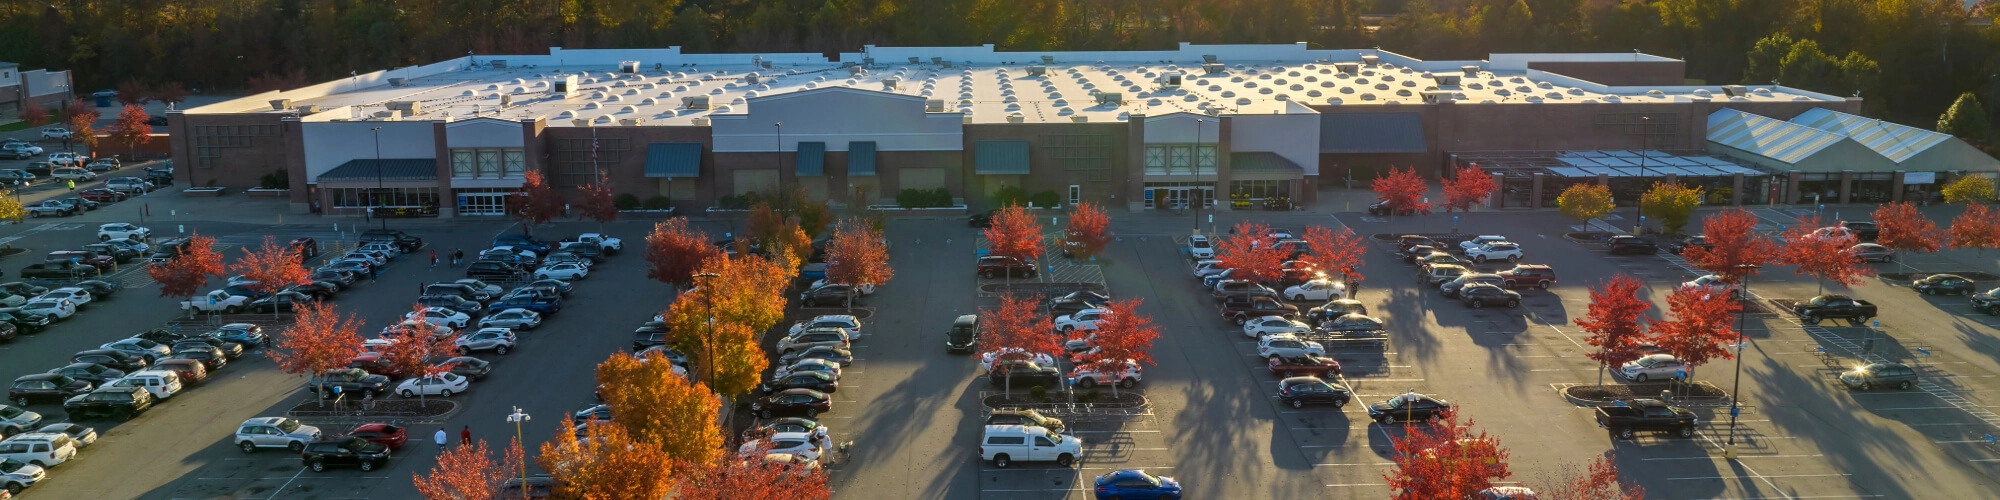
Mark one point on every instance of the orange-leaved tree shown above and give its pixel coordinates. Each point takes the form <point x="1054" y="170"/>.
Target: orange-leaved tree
<point x="1124" y="339"/>
<point x="857" y="256"/>
<point x="131" y="130"/>
<point x="184" y="275"/>
<point x="745" y="298"/>
<point x="1978" y="228"/>
<point x="469" y="472"/>
<point x="1088" y="232"/>
<point x="1403" y="191"/>
<point x="35" y="115"/>
<point x="675" y="250"/>
<point x="414" y="349"/>
<point x="1734" y="250"/>
<point x="1900" y="226"/>
<point x="1466" y="187"/>
<point x="607" y="465"/>
<point x="83" y="124"/>
<point x="1613" y="322"/>
<point x="748" y="476"/>
<point x="1700" y="327"/>
<point x="319" y="340"/>
<point x="535" y="203"/>
<point x="270" y="268"/>
<point x="1826" y="255"/>
<point x="597" y="203"/>
<point x="658" y="407"/>
<point x="1338" y="252"/>
<point x="1250" y="254"/>
<point x="1017" y="324"/>
<point x="1015" y="233"/>
<point x="1599" y="480"/>
<point x="1445" y="460"/>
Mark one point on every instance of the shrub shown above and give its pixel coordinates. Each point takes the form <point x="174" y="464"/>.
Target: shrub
<point x="275" y="180"/>
<point x="1010" y="196"/>
<point x="923" y="198"/>
<point x="940" y="197"/>
<point x="1088" y="395"/>
<point x="658" y="203"/>
<point x="1046" y="199"/>
<point x="1039" y="393"/>
<point x="625" y="201"/>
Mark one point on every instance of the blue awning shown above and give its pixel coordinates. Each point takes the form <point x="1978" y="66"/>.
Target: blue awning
<point x="673" y="159"/>
<point x="812" y="159"/>
<point x="1001" y="158"/>
<point x="861" y="158"/>
<point x="388" y="169"/>
<point x="1371" y="133"/>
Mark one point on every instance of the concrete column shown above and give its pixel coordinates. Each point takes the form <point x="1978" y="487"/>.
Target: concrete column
<point x="1896" y="185"/>
<point x="1604" y="179"/>
<point x="1792" y="187"/>
<point x="1671" y="179"/>
<point x="1500" y="188"/>
<point x="1223" y="131"/>
<point x="1846" y="185"/>
<point x="1535" y="191"/>
<point x="1135" y="162"/>
<point x="1736" y="190"/>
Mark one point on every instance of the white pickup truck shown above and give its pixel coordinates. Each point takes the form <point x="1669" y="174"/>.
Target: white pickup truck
<point x="216" y="301"/>
<point x="609" y="244"/>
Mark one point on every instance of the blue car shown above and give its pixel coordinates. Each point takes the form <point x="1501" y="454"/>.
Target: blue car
<point x="1136" y="484"/>
<point x="522" y="241"/>
<point x="1208" y="282"/>
<point x="540" y="305"/>
<point x="250" y="336"/>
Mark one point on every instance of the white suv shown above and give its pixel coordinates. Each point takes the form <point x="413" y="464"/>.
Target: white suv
<point x="57" y="133"/>
<point x="1287" y="345"/>
<point x="1495" y="251"/>
<point x="122" y="231"/>
<point x="1087" y="377"/>
<point x="1198" y="247"/>
<point x="40" y="449"/>
<point x="64" y="159"/>
<point x="1477" y="241"/>
<point x="1085" y="320"/>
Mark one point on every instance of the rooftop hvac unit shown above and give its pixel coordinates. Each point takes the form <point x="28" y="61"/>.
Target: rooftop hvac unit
<point x="937" y="61"/>
<point x="580" y="122"/>
<point x="308" y="109"/>
<point x="1734" y="90"/>
<point x="659" y="68"/>
<point x="1347" y="68"/>
<point x="913" y="60"/>
<point x="396" y="82"/>
<point x="1169" y="80"/>
<point x="506" y="100"/>
<point x="1038" y="70"/>
<point x="765" y="65"/>
<point x="1371" y="60"/>
<point x="631" y="122"/>
<point x="281" y="104"/>
<point x="564" y="87"/>
<point x="1437" y="97"/>
<point x="889" y="83"/>
<point x="410" y="107"/>
<point x="751" y="79"/>
<point x="1208" y="59"/>
<point x="695" y="102"/>
<point x="499" y="63"/>
<point x="701" y="121"/>
<point x="1048" y="59"/>
<point x="1213" y="68"/>
<point x="628" y="66"/>
<point x="933" y="105"/>
<point x="868" y="61"/>
<point x="1112" y="98"/>
<point x="1470" y="71"/>
<point x="946" y="64"/>
<point x="856" y="70"/>
<point x="1447" y="80"/>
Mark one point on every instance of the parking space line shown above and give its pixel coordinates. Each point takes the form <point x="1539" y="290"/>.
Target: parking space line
<point x="1734" y="477"/>
<point x="1351" y="485"/>
<point x="1725" y="458"/>
<point x="1916" y="408"/>
<point x="1375" y="464"/>
<point x="1109" y="432"/>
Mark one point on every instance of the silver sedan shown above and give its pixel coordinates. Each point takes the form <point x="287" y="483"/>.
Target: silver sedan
<point x="1871" y="252"/>
<point x="516" y="318"/>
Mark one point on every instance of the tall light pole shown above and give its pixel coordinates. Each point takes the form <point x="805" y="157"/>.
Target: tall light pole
<point x="780" y="146"/>
<point x="1744" y="290"/>
<point x="517" y="417"/>
<point x="1645" y="134"/>
<point x="709" y="304"/>
<point x="1194" y="160"/>
<point x="378" y="177"/>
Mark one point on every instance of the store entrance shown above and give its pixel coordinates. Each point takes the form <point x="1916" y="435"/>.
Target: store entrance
<point x="482" y="204"/>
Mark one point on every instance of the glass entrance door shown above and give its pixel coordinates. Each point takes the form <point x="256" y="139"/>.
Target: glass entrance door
<point x="1176" y="199"/>
<point x="482" y="204"/>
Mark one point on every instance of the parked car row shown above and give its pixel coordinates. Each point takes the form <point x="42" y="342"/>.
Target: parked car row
<point x="27" y="308"/>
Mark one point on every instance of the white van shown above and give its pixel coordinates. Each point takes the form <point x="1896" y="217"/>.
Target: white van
<point x="41" y="449"/>
<point x="162" y="383"/>
<point x="1003" y="444"/>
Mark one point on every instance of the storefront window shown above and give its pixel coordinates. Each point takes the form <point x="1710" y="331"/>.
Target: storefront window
<point x="383" y="197"/>
<point x="488" y="163"/>
<point x="1819" y="188"/>
<point x="513" y="162"/>
<point x="461" y="163"/>
<point x="1258" y="190"/>
<point x="1872" y="187"/>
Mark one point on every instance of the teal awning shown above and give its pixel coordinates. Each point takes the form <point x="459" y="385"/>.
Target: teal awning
<point x="812" y="159"/>
<point x="1001" y="158"/>
<point x="673" y="159"/>
<point x="861" y="158"/>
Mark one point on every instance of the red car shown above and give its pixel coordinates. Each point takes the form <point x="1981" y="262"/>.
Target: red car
<point x="1307" y="365"/>
<point x="372" y="363"/>
<point x="383" y="434"/>
<point x="102" y="195"/>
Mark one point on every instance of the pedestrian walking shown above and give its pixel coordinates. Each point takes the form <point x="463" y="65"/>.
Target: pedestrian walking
<point x="442" y="440"/>
<point x="465" y="436"/>
<point x="434" y="259"/>
<point x="72" y="184"/>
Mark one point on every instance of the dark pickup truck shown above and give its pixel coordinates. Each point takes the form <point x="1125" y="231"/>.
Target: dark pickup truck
<point x="1834" y="306"/>
<point x="401" y="239"/>
<point x="349" y="381"/>
<point x="1241" y="309"/>
<point x="58" y="271"/>
<point x="1649" y="415"/>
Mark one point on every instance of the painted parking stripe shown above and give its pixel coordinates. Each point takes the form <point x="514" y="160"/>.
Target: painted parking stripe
<point x="1702" y="478"/>
<point x="1371" y="464"/>
<point x="1725" y="458"/>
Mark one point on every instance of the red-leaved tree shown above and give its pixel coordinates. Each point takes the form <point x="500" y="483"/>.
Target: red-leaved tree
<point x="535" y="203"/>
<point x="1089" y="231"/>
<point x="1015" y="233"/>
<point x="1700" y="327"/>
<point x="133" y="93"/>
<point x="469" y="473"/>
<point x="415" y="348"/>
<point x="1123" y="336"/>
<point x="1251" y="254"/>
<point x="675" y="250"/>
<point x="856" y="256"/>
<point x="1978" y="228"/>
<point x="170" y="93"/>
<point x="1905" y="229"/>
<point x="36" y="116"/>
<point x="1736" y="250"/>
<point x="1827" y="256"/>
<point x="1598" y="480"/>
<point x="271" y="267"/>
<point x="1466" y="187"/>
<point x="748" y="476"/>
<point x="1016" y="324"/>
<point x="319" y="340"/>
<point x="1443" y="460"/>
<point x="131" y="130"/>
<point x="83" y="124"/>
<point x="1339" y="252"/>
<point x="183" y="276"/>
<point x="1613" y="321"/>
<point x="1403" y="190"/>
<point x="597" y="202"/>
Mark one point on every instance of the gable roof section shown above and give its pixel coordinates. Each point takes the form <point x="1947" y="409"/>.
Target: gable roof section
<point x="1371" y="133"/>
<point x="390" y="169"/>
<point x="1895" y="141"/>
<point x="1776" y="139"/>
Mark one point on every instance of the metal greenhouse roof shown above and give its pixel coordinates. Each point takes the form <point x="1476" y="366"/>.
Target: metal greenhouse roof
<point x="1776" y="139"/>
<point x="1895" y="141"/>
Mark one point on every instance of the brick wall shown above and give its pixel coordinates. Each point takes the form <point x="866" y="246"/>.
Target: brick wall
<point x="627" y="171"/>
<point x="260" y="135"/>
<point x="1104" y="181"/>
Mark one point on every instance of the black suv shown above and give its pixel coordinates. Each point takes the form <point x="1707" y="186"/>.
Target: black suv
<point x="402" y="240"/>
<point x="1381" y="208"/>
<point x="829" y="294"/>
<point x="1631" y="244"/>
<point x="1864" y="231"/>
<point x="342" y="452"/>
<point x="452" y="302"/>
<point x="110" y="358"/>
<point x="167" y="250"/>
<point x="349" y="380"/>
<point x="1526" y="275"/>
<point x="1023" y="374"/>
<point x="494" y="270"/>
<point x="1479" y="295"/>
<point x="459" y="289"/>
<point x="1077" y="301"/>
<point x="994" y="266"/>
<point x="46" y="387"/>
<point x="120" y="402"/>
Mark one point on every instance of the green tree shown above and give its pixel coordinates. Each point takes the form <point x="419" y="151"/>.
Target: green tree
<point x="1967" y="119"/>
<point x="1807" y="67"/>
<point x="1671" y="204"/>
<point x="1767" y="57"/>
<point x="1969" y="189"/>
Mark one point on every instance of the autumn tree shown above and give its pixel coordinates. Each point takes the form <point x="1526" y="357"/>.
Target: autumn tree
<point x="1466" y="187"/>
<point x="1598" y="480"/>
<point x="1828" y="256"/>
<point x="1444" y="460"/>
<point x="133" y="93"/>
<point x="1969" y="189"/>
<point x="319" y="340"/>
<point x="412" y="351"/>
<point x="1671" y="204"/>
<point x="811" y="215"/>
<point x="131" y="129"/>
<point x="170" y="93"/>
<point x="535" y="203"/>
<point x="1338" y="252"/>
<point x="1978" y="229"/>
<point x="748" y="476"/>
<point x="1403" y="190"/>
<point x="745" y="298"/>
<point x="35" y="115"/>
<point x="1613" y="322"/>
<point x="658" y="407"/>
<point x="1585" y="202"/>
<point x="1251" y="254"/>
<point x="83" y="125"/>
<point x="675" y="250"/>
<point x="856" y="256"/>
<point x="11" y="209"/>
<point x="469" y="473"/>
<point x="1123" y="336"/>
<point x="1017" y="324"/>
<point x="271" y="267"/>
<point x="778" y="235"/>
<point x="597" y="202"/>
<point x="1735" y="249"/>
<point x="1088" y="232"/>
<point x="1900" y="226"/>
<point x="1699" y="327"/>
<point x="183" y="276"/>
<point x="1015" y="233"/>
<point x="608" y="465"/>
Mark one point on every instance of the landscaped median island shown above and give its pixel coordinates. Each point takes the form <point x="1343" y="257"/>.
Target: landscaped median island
<point x="403" y="411"/>
<point x="1688" y="394"/>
